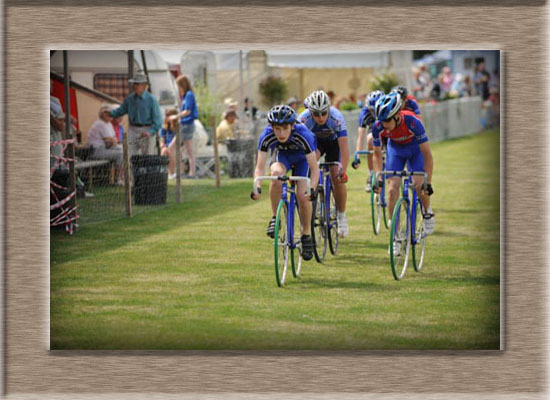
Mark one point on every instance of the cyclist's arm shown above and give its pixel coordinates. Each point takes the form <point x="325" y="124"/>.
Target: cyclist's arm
<point x="428" y="159"/>
<point x="260" y="163"/>
<point x="311" y="159"/>
<point x="377" y="159"/>
<point x="360" y="139"/>
<point x="344" y="153"/>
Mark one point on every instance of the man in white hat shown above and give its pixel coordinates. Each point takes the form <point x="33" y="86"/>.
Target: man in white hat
<point x="144" y="116"/>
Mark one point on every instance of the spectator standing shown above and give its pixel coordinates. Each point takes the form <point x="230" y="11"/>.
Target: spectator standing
<point x="144" y="117"/>
<point x="167" y="140"/>
<point x="481" y="81"/>
<point x="424" y="82"/>
<point x="446" y="80"/>
<point x="102" y="139"/>
<point x="293" y="103"/>
<point x="331" y="95"/>
<point x="465" y="88"/>
<point x="247" y="106"/>
<point x="188" y="114"/>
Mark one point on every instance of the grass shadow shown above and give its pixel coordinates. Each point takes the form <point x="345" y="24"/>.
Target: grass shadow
<point x="113" y="234"/>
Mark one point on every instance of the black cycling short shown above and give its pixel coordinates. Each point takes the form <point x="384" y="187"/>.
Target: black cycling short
<point x="329" y="147"/>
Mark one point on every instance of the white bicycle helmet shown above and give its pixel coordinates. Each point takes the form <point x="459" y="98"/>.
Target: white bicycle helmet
<point x="318" y="101"/>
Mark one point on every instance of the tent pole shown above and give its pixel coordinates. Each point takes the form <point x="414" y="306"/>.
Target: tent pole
<point x="68" y="131"/>
<point x="126" y="152"/>
<point x="241" y="100"/>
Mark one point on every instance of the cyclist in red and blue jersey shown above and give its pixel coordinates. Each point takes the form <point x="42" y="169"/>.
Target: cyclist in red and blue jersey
<point x="408" y="101"/>
<point x="329" y="127"/>
<point x="366" y="121"/>
<point x="293" y="148"/>
<point x="408" y="144"/>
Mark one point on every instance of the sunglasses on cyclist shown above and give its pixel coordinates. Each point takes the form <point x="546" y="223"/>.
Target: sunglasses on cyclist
<point x="387" y="121"/>
<point x="320" y="114"/>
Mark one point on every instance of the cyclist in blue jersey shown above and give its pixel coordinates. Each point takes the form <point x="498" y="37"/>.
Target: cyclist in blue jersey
<point x="293" y="147"/>
<point x="408" y="101"/>
<point x="329" y="127"/>
<point x="366" y="120"/>
<point x="408" y="144"/>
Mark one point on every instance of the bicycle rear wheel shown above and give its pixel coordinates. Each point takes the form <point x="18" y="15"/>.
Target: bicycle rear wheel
<point x="383" y="204"/>
<point x="318" y="226"/>
<point x="281" y="243"/>
<point x="332" y="223"/>
<point x="419" y="239"/>
<point x="400" y="239"/>
<point x="296" y="266"/>
<point x="376" y="208"/>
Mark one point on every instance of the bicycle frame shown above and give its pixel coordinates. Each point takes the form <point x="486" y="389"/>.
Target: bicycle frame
<point x="326" y="183"/>
<point x="407" y="184"/>
<point x="291" y="203"/>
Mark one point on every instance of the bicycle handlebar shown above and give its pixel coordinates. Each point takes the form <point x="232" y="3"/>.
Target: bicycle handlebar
<point x="331" y="163"/>
<point x="357" y="153"/>
<point x="281" y="178"/>
<point x="405" y="173"/>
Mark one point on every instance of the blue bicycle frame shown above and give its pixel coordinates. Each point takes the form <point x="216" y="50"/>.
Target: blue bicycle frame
<point x="284" y="231"/>
<point x="331" y="222"/>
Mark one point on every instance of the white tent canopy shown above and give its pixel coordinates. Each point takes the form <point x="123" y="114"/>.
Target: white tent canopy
<point x="327" y="59"/>
<point x="228" y="60"/>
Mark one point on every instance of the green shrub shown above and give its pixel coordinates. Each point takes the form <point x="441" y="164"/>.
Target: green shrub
<point x="208" y="105"/>
<point x="273" y="90"/>
<point x="348" y="106"/>
<point x="384" y="81"/>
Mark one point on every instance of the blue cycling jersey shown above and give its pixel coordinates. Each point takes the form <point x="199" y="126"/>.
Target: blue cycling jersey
<point x="366" y="118"/>
<point x="332" y="129"/>
<point x="301" y="139"/>
<point x="412" y="105"/>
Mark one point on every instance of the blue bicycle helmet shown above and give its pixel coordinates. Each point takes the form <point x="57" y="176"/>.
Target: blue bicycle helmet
<point x="373" y="97"/>
<point x="280" y="115"/>
<point x="387" y="106"/>
<point x="402" y="90"/>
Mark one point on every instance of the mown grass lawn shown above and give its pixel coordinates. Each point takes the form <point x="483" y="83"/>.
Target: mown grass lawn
<point x="199" y="275"/>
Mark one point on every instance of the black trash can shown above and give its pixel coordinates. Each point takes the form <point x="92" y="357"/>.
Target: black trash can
<point x="150" y="179"/>
<point x="240" y="157"/>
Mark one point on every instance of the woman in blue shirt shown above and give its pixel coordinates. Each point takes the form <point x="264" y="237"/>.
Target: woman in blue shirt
<point x="189" y="113"/>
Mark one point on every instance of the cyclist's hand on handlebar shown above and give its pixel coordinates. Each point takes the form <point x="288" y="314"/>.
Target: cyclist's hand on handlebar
<point x="342" y="178"/>
<point x="312" y="194"/>
<point x="428" y="189"/>
<point x="256" y="196"/>
<point x="355" y="163"/>
<point x="378" y="184"/>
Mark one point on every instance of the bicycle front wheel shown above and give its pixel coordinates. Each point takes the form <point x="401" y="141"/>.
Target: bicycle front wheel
<point x="332" y="223"/>
<point x="400" y="239"/>
<point x="418" y="239"/>
<point x="281" y="243"/>
<point x="318" y="226"/>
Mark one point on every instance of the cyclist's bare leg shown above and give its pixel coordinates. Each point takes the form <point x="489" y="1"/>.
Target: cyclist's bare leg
<point x="418" y="180"/>
<point x="340" y="190"/>
<point x="275" y="187"/>
<point x="305" y="207"/>
<point x="394" y="186"/>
